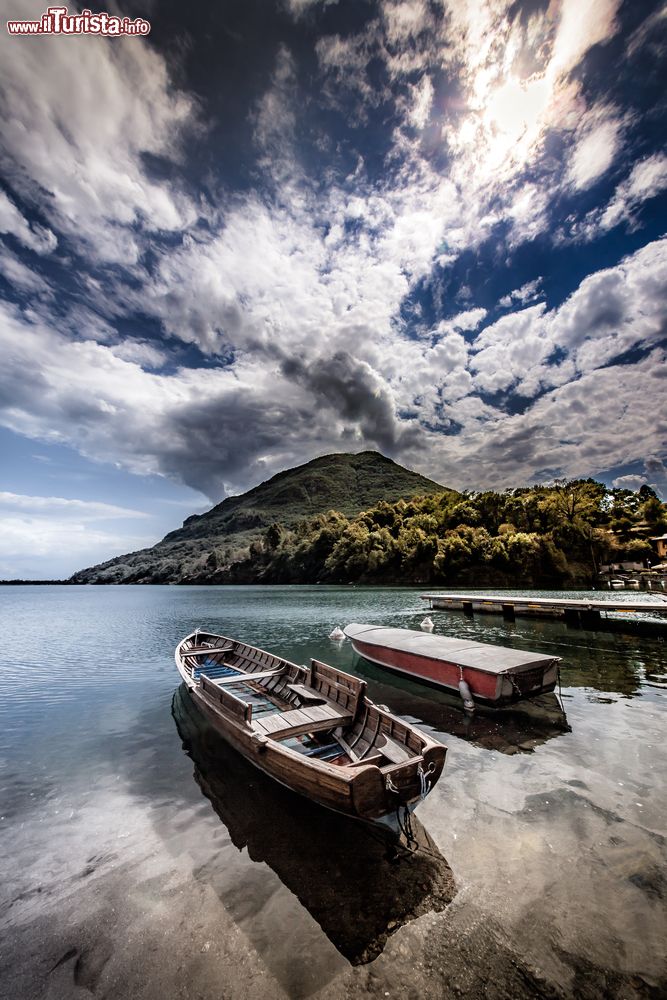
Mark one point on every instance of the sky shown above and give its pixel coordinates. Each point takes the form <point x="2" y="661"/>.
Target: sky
<point x="269" y="231"/>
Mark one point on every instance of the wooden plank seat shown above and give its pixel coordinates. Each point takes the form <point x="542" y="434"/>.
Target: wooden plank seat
<point x="390" y="749"/>
<point x="307" y="693"/>
<point x="393" y="751"/>
<point x="302" y="720"/>
<point x="206" y="650"/>
<point x="246" y="678"/>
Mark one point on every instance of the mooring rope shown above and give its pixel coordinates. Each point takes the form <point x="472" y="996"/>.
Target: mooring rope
<point x="560" y="692"/>
<point x="405" y="823"/>
<point x="424" y="783"/>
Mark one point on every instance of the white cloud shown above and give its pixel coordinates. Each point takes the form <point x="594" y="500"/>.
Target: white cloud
<point x="321" y="363"/>
<point x="298" y="8"/>
<point x="615" y="309"/>
<point x="81" y="156"/>
<point x="629" y="482"/>
<point x="299" y="292"/>
<point x="470" y="319"/>
<point x="140" y="352"/>
<point x="275" y="118"/>
<point x="508" y="348"/>
<point x="611" y="312"/>
<point x="511" y="111"/>
<point x="594" y="153"/>
<point x="84" y="510"/>
<point x="585" y="427"/>
<point x="20" y="275"/>
<point x="647" y="179"/>
<point x="34" y="237"/>
<point x="531" y="290"/>
<point x="217" y="429"/>
<point x="405" y="20"/>
<point x="581" y="27"/>
<point x="46" y="536"/>
<point x="422" y="99"/>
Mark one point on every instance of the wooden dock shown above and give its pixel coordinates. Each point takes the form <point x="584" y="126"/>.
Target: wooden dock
<point x="583" y="613"/>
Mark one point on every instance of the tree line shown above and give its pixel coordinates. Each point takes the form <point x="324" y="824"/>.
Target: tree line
<point x="557" y="535"/>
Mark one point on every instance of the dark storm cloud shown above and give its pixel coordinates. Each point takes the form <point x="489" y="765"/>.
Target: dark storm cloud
<point x="353" y="391"/>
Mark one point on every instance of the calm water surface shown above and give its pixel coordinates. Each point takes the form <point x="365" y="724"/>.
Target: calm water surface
<point x="128" y="828"/>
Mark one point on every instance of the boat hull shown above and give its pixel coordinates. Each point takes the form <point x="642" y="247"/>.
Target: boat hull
<point x="491" y="689"/>
<point x="338" y="802"/>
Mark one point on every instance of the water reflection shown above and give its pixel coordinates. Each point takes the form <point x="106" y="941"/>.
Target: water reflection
<point x="351" y="880"/>
<point x="514" y="729"/>
<point x="616" y="668"/>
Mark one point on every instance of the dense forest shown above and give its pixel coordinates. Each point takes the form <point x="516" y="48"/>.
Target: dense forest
<point x="555" y="535"/>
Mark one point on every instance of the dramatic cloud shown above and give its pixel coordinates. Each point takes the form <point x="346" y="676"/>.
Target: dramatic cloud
<point x="418" y="228"/>
<point x="75" y="131"/>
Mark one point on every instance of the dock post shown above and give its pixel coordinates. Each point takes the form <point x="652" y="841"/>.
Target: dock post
<point x="467" y="608"/>
<point x="590" y="618"/>
<point x="508" y="613"/>
<point x="572" y="617"/>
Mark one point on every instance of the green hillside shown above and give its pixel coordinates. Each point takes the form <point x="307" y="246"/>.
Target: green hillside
<point x="210" y="544"/>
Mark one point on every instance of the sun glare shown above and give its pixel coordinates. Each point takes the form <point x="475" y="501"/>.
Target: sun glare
<point x="514" y="118"/>
<point x="505" y="123"/>
<point x="508" y="111"/>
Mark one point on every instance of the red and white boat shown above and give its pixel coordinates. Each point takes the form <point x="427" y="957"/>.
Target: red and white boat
<point x="492" y="675"/>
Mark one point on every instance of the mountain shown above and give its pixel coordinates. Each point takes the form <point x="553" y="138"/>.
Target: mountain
<point x="223" y="535"/>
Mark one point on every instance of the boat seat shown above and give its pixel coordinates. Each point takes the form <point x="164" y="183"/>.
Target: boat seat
<point x="308" y="719"/>
<point x="206" y="650"/>
<point x="260" y="675"/>
<point x="307" y="694"/>
<point x="393" y="751"/>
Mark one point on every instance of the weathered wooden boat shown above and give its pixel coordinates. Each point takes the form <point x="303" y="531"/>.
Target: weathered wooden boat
<point x="311" y="728"/>
<point x="478" y="671"/>
<point x="358" y="897"/>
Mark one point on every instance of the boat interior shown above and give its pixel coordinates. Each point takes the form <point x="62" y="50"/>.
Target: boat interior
<point x="315" y="711"/>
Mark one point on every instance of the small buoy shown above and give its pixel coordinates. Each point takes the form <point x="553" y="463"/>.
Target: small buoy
<point x="466" y="694"/>
<point x="427" y="625"/>
<point x="337" y="635"/>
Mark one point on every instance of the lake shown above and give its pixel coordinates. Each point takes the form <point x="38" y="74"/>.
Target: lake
<point x="143" y="858"/>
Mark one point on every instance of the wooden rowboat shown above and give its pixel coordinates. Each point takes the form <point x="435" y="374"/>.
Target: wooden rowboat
<point x="312" y="729"/>
<point x="358" y="897"/>
<point x="480" y="672"/>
